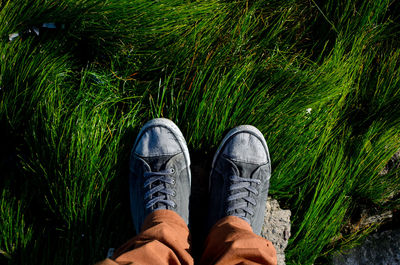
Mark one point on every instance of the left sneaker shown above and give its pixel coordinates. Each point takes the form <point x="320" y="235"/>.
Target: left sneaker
<point x="160" y="176"/>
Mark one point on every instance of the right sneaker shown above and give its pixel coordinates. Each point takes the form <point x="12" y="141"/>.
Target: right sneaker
<point x="239" y="178"/>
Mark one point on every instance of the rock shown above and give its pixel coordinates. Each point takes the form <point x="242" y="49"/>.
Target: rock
<point x="376" y="219"/>
<point x="276" y="228"/>
<point x="379" y="248"/>
<point x="366" y="216"/>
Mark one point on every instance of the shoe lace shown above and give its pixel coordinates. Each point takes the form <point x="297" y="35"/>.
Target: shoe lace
<point x="243" y="196"/>
<point x="156" y="195"/>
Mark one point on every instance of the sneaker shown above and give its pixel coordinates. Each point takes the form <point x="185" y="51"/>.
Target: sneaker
<point x="159" y="171"/>
<point x="239" y="178"/>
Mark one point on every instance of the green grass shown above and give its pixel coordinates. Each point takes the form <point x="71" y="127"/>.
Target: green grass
<point x="73" y="99"/>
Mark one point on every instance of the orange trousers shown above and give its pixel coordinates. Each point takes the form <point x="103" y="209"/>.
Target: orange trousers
<point x="164" y="239"/>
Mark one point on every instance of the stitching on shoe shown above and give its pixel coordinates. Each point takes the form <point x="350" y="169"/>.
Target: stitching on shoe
<point x="163" y="155"/>
<point x="242" y="161"/>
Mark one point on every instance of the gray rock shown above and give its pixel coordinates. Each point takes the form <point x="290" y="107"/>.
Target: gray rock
<point x="379" y="248"/>
<point x="393" y="163"/>
<point x="276" y="228"/>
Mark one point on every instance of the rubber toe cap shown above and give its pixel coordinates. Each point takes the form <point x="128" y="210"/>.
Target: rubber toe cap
<point x="157" y="141"/>
<point x="246" y="147"/>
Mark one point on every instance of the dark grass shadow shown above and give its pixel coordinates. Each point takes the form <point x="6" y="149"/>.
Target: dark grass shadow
<point x="10" y="175"/>
<point x="199" y="200"/>
<point x="119" y="193"/>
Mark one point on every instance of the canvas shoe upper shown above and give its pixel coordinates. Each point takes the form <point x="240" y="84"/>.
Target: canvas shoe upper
<point x="160" y="176"/>
<point x="239" y="178"/>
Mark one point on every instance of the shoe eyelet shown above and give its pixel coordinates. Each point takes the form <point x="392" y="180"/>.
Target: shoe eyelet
<point x="175" y="205"/>
<point x="173" y="194"/>
<point x="173" y="181"/>
<point x="172" y="170"/>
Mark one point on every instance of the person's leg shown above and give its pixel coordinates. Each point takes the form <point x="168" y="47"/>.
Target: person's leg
<point x="164" y="240"/>
<point x="160" y="182"/>
<point x="232" y="241"/>
<point x="239" y="183"/>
